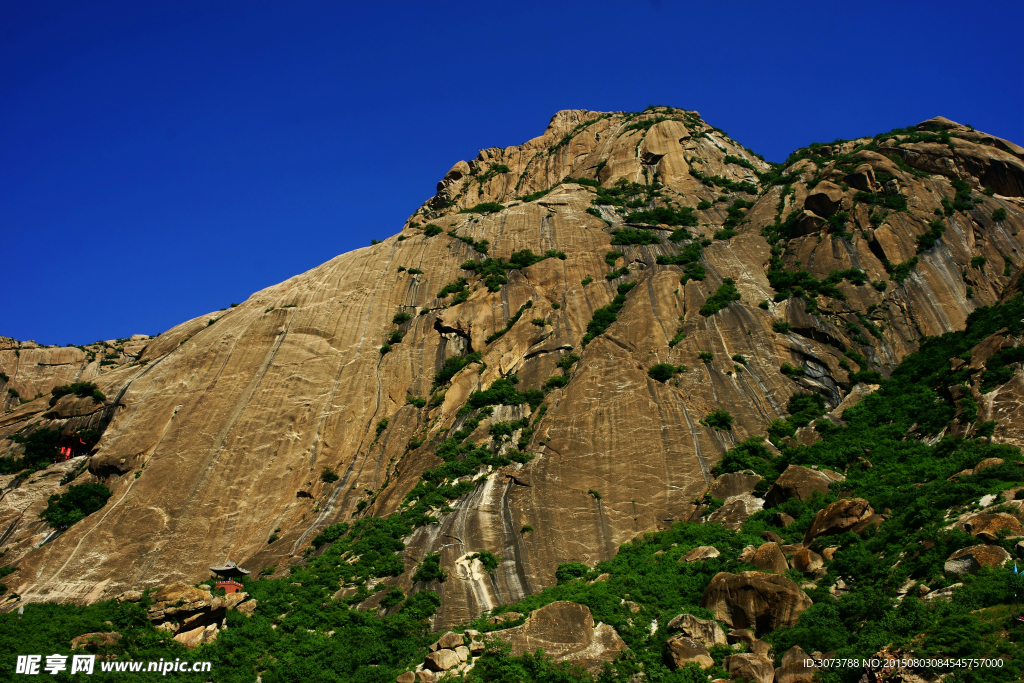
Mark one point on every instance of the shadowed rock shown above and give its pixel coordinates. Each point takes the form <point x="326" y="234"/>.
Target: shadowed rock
<point x="761" y="602"/>
<point x="970" y="560"/>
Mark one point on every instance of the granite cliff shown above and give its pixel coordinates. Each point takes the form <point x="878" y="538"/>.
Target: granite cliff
<point x="616" y="283"/>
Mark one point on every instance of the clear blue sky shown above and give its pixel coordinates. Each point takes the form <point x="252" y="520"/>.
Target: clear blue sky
<point x="159" y="160"/>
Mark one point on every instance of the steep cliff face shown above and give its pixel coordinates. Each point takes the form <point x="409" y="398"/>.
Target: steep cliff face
<point x="642" y="230"/>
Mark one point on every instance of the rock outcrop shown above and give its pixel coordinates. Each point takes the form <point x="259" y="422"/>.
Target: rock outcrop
<point x="213" y="435"/>
<point x="970" y="560"/>
<point x="752" y="600"/>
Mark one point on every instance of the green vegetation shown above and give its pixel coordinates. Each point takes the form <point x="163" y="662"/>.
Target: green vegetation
<point x="586" y="281"/>
<point x="791" y="370"/>
<point x="664" y="215"/>
<point x="452" y="366"/>
<point x="494" y="271"/>
<point x="328" y="476"/>
<point x="64" y="509"/>
<point x="460" y="288"/>
<point x="662" y="372"/>
<point x="485" y="207"/>
<point x="999" y="215"/>
<point x="781" y="326"/>
<point x="42" y="448"/>
<point x="936" y="228"/>
<point x="511" y="321"/>
<point x="720" y="181"/>
<point x="429" y="230"/>
<point x="430" y="569"/>
<point x="82" y="389"/>
<point x="615" y="274"/>
<point x="723" y="297"/>
<point x="718" y="419"/>
<point x="634" y="236"/>
<point x="705" y="356"/>
<point x="482" y="246"/>
<point x="606" y="315"/>
<point x="400" y="318"/>
<point x="489" y="560"/>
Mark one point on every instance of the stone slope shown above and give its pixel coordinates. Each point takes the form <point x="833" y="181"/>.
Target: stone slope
<point x="217" y="435"/>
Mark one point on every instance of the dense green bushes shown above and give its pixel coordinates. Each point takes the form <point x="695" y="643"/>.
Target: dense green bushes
<point x="82" y="389"/>
<point x="723" y="296"/>
<point x="64" y="509"/>
<point x="606" y="315"/>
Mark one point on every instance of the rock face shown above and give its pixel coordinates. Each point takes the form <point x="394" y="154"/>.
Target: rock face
<point x="566" y="631"/>
<point x="970" y="560"/>
<point x="703" y="630"/>
<point x="736" y="510"/>
<point x="800" y="483"/>
<point x="761" y="602"/>
<point x="749" y="667"/>
<point x="769" y="558"/>
<point x="850" y="514"/>
<point x="229" y="425"/>
<point x="704" y="552"/>
<point x="685" y="650"/>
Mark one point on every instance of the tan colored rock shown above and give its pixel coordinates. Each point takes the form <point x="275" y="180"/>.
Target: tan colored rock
<point x="441" y="660"/>
<point x="824" y="199"/>
<point x="426" y="676"/>
<point x="749" y="667"/>
<point x="566" y="631"/>
<point x="247" y="607"/>
<point x="849" y="514"/>
<point x="505" y="616"/>
<point x="969" y="560"/>
<point x="130" y="596"/>
<point x="782" y="519"/>
<point x="407" y="677"/>
<point x="989" y="526"/>
<point x="753" y="600"/>
<point x="94" y="641"/>
<point x="704" y="552"/>
<point x="463" y="652"/>
<point x="806" y="561"/>
<point x="769" y="558"/>
<point x="797" y="482"/>
<point x="793" y="669"/>
<point x="197" y="636"/>
<point x="735" y="511"/>
<point x="449" y="641"/>
<point x="684" y="650"/>
<point x="704" y="630"/>
<point x="734" y="484"/>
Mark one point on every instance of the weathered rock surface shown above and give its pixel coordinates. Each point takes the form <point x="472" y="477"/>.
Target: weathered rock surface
<point x="734" y="484"/>
<point x="735" y="511"/>
<point x="761" y="602"/>
<point x="988" y="526"/>
<point x="684" y="650"/>
<point x="233" y="420"/>
<point x="849" y="514"/>
<point x="704" y="552"/>
<point x="970" y="560"/>
<point x="749" y="667"/>
<point x="566" y="631"/>
<point x="769" y="558"/>
<point x="706" y="631"/>
<point x="800" y="483"/>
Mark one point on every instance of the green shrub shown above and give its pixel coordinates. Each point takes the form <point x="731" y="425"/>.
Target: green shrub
<point x="555" y="382"/>
<point x="595" y="494"/>
<point x="723" y="296"/>
<point x="328" y="476"/>
<point x="415" y="271"/>
<point x="765" y="305"/>
<point x="718" y="419"/>
<point x="453" y="365"/>
<point x="740" y="358"/>
<point x="979" y="262"/>
<point x="489" y="560"/>
<point x="586" y="281"/>
<point x="429" y="230"/>
<point x="511" y="321"/>
<point x="999" y="215"/>
<point x="416" y="401"/>
<point x="705" y="356"/>
<point x="82" y="389"/>
<point x="395" y="337"/>
<point x="606" y="315"/>
<point x="382" y="425"/>
<point x="64" y="509"/>
<point x="662" y="215"/>
<point x="570" y="571"/>
<point x="430" y="569"/>
<point x="929" y="239"/>
<point x="704" y="205"/>
<point x="400" y="318"/>
<point x="791" y="370"/>
<point x="634" y="236"/>
<point x="485" y="207"/>
<point x="611" y="257"/>
<point x="385" y="349"/>
<point x="372" y="242"/>
<point x="662" y="372"/>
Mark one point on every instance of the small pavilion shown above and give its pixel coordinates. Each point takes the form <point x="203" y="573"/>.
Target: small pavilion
<point x="228" y="575"/>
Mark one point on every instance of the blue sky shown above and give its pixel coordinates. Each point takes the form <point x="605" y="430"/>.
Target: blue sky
<point x="162" y="160"/>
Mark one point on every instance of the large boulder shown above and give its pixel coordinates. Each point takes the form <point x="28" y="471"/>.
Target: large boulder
<point x="94" y="641"/>
<point x="824" y="199"/>
<point x="806" y="561"/>
<point x="441" y="660"/>
<point x="749" y="667"/>
<point x="849" y="514"/>
<point x="449" y="641"/>
<point x="704" y="552"/>
<point x="970" y="560"/>
<point x="769" y="558"/>
<point x="988" y="526"/>
<point x="179" y="600"/>
<point x="736" y="510"/>
<point x="704" y="630"/>
<point x="685" y="650"/>
<point x="734" y="484"/>
<point x="197" y="636"/>
<point x="800" y="483"/>
<point x="761" y="602"/>
<point x="793" y="669"/>
<point x="566" y="632"/>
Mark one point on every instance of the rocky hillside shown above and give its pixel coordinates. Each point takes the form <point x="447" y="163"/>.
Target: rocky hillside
<point x="544" y="363"/>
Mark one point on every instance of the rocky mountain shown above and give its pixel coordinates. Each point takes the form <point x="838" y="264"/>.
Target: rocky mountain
<point x="544" y="363"/>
